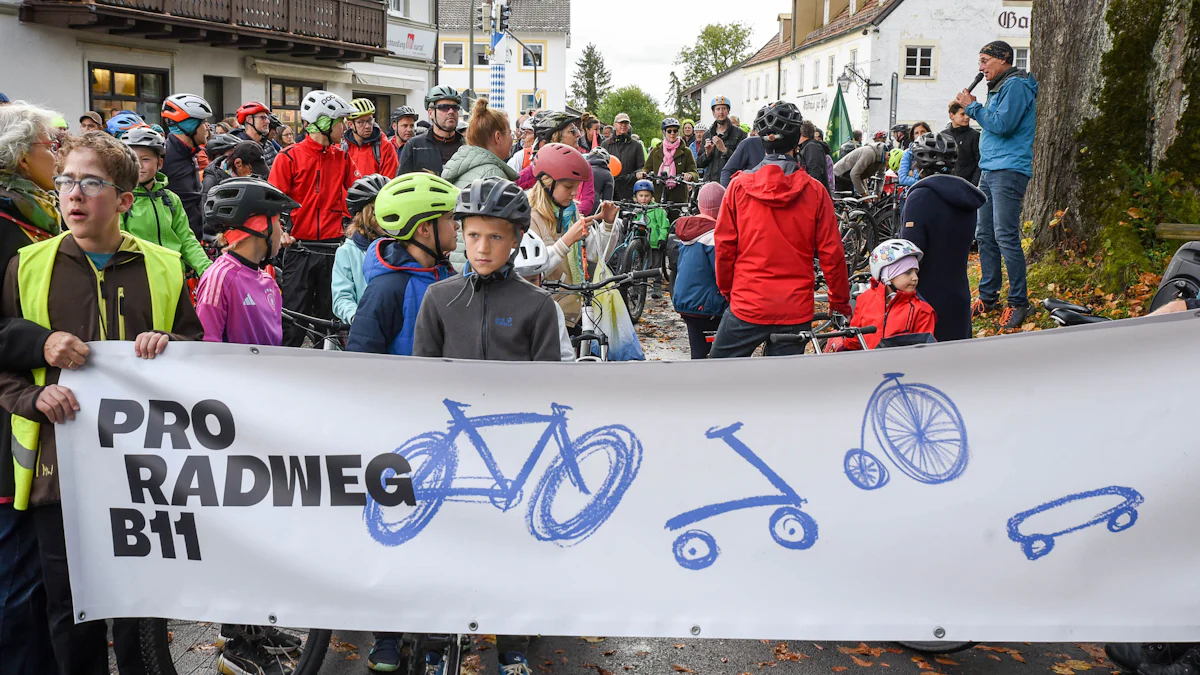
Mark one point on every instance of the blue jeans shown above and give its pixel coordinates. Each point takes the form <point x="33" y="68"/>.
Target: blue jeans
<point x="999" y="234"/>
<point x="24" y="630"/>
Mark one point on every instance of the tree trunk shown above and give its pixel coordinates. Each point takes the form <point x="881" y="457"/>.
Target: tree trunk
<point x="1171" y="55"/>
<point x="1069" y="37"/>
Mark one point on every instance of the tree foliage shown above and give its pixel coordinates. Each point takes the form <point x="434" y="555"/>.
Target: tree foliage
<point x="678" y="104"/>
<point x="592" y="81"/>
<point x="718" y="48"/>
<point x="642" y="108"/>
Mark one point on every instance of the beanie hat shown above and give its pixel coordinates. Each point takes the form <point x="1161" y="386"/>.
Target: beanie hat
<point x="899" y="267"/>
<point x="998" y="49"/>
<point x="710" y="199"/>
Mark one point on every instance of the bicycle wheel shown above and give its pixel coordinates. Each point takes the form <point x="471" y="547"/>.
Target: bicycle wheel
<point x="695" y="550"/>
<point x="864" y="470"/>
<point x="866" y="225"/>
<point x="793" y="528"/>
<point x="171" y="647"/>
<point x="434" y="463"/>
<point x="636" y="259"/>
<point x="922" y="431"/>
<point x="853" y="242"/>
<point x="608" y="458"/>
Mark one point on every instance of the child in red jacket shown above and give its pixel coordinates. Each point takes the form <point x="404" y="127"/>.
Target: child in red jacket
<point x="892" y="305"/>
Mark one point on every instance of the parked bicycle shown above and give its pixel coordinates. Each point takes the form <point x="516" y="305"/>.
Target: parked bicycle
<point x="632" y="254"/>
<point x="176" y="647"/>
<point x="327" y="334"/>
<point x="610" y="454"/>
<point x="590" y="335"/>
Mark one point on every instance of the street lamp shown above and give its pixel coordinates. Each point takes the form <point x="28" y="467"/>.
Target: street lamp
<point x="851" y="74"/>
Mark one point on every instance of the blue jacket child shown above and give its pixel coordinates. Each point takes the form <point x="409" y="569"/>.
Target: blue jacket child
<point x="386" y="320"/>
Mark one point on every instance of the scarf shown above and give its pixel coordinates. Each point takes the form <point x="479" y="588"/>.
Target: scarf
<point x="668" y="164"/>
<point x="566" y="217"/>
<point x="37" y="206"/>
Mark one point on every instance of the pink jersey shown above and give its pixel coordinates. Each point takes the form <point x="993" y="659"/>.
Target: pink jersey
<point x="239" y="304"/>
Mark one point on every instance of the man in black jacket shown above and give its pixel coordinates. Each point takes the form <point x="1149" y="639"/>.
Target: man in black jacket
<point x="967" y="140"/>
<point x="722" y="139"/>
<point x="430" y="151"/>
<point x="622" y="146"/>
<point x="812" y="154"/>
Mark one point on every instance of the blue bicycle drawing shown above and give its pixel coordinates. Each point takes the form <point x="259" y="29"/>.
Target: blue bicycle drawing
<point x="612" y="452"/>
<point x="918" y="426"/>
<point x="1118" y="518"/>
<point x="789" y="526"/>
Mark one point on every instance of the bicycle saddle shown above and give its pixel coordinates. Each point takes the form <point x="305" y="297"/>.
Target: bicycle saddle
<point x="1052" y="304"/>
<point x="1069" y="317"/>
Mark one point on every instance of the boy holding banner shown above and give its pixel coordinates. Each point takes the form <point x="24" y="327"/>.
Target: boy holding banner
<point x="97" y="283"/>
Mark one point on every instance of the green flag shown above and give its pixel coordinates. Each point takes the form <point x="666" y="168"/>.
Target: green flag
<point x="840" y="129"/>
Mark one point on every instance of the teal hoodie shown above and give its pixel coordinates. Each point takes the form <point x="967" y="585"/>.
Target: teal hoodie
<point x="157" y="216"/>
<point x="1008" y="120"/>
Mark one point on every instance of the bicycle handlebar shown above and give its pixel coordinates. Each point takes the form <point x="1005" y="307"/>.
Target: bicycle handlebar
<point x="805" y="336"/>
<point x="332" y="325"/>
<point x="590" y="287"/>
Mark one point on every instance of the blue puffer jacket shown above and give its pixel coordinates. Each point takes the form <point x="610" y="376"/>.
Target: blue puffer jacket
<point x="696" y="291"/>
<point x="1008" y="120"/>
<point x="386" y="320"/>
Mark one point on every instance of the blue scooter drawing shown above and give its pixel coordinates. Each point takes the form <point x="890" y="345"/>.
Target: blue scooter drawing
<point x="1117" y="518"/>
<point x="790" y="527"/>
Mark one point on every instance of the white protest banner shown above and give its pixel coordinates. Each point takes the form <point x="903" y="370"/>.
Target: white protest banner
<point x="1033" y="487"/>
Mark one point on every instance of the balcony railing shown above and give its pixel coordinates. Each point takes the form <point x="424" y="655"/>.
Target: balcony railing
<point x="344" y="30"/>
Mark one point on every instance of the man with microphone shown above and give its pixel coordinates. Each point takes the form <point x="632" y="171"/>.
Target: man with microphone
<point x="1006" y="158"/>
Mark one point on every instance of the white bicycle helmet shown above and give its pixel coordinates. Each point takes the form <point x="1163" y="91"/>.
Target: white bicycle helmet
<point x="180" y="107"/>
<point x="319" y="103"/>
<point x="889" y="252"/>
<point x="531" y="255"/>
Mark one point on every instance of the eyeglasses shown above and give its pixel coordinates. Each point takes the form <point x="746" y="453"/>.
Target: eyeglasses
<point x="672" y="131"/>
<point x="52" y="145"/>
<point x="90" y="186"/>
<point x="575" y="130"/>
<point x="446" y="107"/>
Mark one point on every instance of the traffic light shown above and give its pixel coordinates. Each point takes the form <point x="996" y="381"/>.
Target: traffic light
<point x="483" y="17"/>
<point x="502" y="20"/>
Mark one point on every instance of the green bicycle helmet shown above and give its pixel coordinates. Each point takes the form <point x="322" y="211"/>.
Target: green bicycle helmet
<point x="412" y="199"/>
<point x="441" y="93"/>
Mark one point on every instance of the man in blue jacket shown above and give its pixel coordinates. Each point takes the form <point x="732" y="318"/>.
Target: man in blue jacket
<point x="1006" y="158"/>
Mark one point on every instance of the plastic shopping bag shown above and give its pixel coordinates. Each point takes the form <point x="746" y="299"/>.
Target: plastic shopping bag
<point x="612" y="319"/>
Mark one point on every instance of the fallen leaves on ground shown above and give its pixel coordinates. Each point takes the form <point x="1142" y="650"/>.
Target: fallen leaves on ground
<point x="610" y="652"/>
<point x="946" y="661"/>
<point x="592" y="640"/>
<point x="679" y="646"/>
<point x="724" y="659"/>
<point x="922" y="664"/>
<point x="861" y="662"/>
<point x="681" y="669"/>
<point x="643" y="653"/>
<point x="840" y="669"/>
<point x="865" y="650"/>
<point x="819" y="647"/>
<point x="1094" y="651"/>
<point x="353" y="656"/>
<point x="783" y="653"/>
<point x="341" y="646"/>
<point x="1070" y="667"/>
<point x="994" y="657"/>
<point x="1016" y="655"/>
<point x="599" y="670"/>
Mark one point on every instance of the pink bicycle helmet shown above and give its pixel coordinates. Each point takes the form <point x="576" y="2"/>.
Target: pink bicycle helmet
<point x="561" y="162"/>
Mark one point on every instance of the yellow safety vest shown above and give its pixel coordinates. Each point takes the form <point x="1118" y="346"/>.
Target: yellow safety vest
<point x="165" y="277"/>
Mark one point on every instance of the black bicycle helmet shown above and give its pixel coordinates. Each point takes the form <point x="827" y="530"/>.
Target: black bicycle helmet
<point x="363" y="192"/>
<point x="547" y="122"/>
<point x="235" y="200"/>
<point x="402" y="112"/>
<point x="496" y="198"/>
<point x="220" y="144"/>
<point x="778" y="121"/>
<point x="935" y="150"/>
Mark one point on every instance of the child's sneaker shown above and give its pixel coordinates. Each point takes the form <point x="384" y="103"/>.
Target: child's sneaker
<point x="245" y="656"/>
<point x="384" y="656"/>
<point x="514" y="663"/>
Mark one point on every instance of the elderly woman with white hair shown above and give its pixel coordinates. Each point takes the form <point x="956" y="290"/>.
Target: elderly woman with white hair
<point x="28" y="213"/>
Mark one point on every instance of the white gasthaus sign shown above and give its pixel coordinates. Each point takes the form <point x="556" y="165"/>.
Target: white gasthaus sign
<point x="1008" y="489"/>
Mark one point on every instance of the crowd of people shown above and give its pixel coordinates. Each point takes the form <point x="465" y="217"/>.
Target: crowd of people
<point x="395" y="231"/>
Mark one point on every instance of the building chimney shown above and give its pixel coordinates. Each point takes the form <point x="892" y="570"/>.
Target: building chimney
<point x="853" y="7"/>
<point x="826" y="21"/>
<point x="785" y="27"/>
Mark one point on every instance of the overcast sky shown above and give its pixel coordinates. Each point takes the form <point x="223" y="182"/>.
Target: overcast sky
<point x="641" y="38"/>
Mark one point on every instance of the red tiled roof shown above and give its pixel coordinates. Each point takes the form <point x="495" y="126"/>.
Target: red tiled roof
<point x="844" y="23"/>
<point x="774" y="49"/>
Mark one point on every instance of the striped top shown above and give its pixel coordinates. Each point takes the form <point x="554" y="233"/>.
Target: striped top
<point x="239" y="304"/>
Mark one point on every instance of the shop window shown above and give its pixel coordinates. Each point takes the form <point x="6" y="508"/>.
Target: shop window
<point x="286" y="96"/>
<point x="117" y="88"/>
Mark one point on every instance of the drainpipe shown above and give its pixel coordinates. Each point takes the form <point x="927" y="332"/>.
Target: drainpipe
<point x="778" y="81"/>
<point x="437" y="41"/>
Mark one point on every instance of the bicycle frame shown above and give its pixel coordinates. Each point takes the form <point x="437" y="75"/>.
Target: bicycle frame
<point x="787" y="496"/>
<point x="589" y="326"/>
<point x="504" y="494"/>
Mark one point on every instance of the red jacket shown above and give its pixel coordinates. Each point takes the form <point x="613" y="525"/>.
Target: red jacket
<point x="364" y="154"/>
<point x="318" y="177"/>
<point x="771" y="227"/>
<point x="906" y="314"/>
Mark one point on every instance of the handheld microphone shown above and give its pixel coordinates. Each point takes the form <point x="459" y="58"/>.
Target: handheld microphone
<point x="976" y="81"/>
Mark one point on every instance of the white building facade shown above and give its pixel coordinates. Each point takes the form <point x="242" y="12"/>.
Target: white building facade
<point x="99" y="55"/>
<point x="532" y="75"/>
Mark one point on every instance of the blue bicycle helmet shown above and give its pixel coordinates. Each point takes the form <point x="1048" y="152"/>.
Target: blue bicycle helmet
<point x="643" y="185"/>
<point x="122" y="122"/>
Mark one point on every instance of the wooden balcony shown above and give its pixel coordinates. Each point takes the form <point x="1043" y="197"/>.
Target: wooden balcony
<point x="336" y="30"/>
